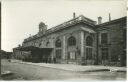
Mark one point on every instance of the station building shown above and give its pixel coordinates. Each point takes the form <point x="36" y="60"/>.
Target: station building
<point x="77" y="41"/>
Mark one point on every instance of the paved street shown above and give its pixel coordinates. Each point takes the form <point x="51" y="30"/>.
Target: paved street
<point x="33" y="72"/>
<point x="76" y="68"/>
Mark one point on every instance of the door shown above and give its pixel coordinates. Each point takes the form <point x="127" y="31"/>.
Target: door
<point x="104" y="52"/>
<point x="58" y="55"/>
<point x="89" y="50"/>
<point x="89" y="55"/>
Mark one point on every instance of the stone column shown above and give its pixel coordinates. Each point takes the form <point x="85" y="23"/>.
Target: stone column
<point x="82" y="46"/>
<point x="82" y="43"/>
<point x="53" y="51"/>
<point x="52" y="45"/>
<point x="64" y="47"/>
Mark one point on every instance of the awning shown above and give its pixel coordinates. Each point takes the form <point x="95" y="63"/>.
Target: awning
<point x="30" y="48"/>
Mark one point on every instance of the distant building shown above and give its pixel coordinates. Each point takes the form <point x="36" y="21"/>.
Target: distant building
<point x="77" y="41"/>
<point x="5" y="55"/>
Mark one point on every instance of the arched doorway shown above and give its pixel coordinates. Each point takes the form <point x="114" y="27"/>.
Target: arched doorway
<point x="71" y="44"/>
<point x="89" y="50"/>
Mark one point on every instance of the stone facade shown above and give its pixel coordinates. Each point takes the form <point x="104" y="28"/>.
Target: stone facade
<point x="116" y="31"/>
<point x="78" y="41"/>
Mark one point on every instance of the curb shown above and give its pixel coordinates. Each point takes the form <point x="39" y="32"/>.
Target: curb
<point x="5" y="73"/>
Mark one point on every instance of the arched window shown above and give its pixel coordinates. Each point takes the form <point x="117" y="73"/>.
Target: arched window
<point x="89" y="41"/>
<point x="58" y="43"/>
<point x="71" y="41"/>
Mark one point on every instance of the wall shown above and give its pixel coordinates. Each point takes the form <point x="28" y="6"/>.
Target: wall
<point x="115" y="42"/>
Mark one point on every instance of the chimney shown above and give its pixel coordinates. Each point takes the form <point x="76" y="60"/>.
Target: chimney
<point x="42" y="27"/>
<point x="109" y="17"/>
<point x="99" y="20"/>
<point x="74" y="15"/>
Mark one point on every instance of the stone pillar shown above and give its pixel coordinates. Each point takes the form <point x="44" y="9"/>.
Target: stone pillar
<point x="82" y="43"/>
<point x="52" y="45"/>
<point x="82" y="46"/>
<point x="64" y="47"/>
<point x="95" y="48"/>
<point x="53" y="51"/>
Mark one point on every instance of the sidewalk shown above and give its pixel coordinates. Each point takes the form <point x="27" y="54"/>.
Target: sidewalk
<point x="77" y="68"/>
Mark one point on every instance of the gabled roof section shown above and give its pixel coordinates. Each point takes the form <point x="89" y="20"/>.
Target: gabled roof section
<point x="69" y="23"/>
<point x="73" y="21"/>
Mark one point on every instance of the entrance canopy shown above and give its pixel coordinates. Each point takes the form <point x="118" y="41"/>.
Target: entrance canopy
<point x="31" y="48"/>
<point x="37" y="54"/>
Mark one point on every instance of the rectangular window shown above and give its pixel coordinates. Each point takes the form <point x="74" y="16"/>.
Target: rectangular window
<point x="104" y="53"/>
<point x="88" y="53"/>
<point x="104" y="38"/>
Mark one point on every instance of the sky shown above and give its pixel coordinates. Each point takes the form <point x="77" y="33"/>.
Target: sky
<point x="21" y="18"/>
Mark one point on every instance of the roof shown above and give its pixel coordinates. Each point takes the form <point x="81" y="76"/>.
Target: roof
<point x="69" y="23"/>
<point x="74" y="21"/>
<point x="113" y="21"/>
<point x="81" y="18"/>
